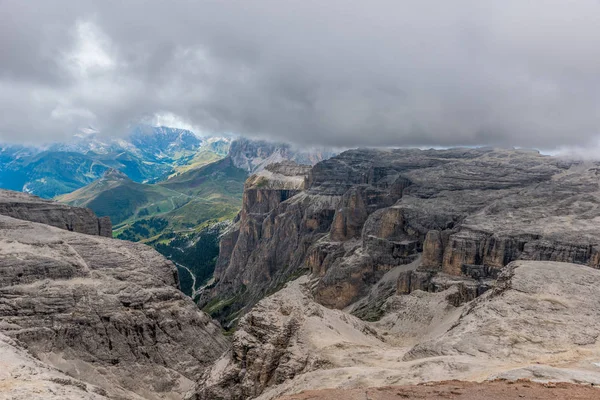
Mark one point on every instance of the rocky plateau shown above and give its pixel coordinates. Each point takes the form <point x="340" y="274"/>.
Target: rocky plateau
<point x="372" y="269"/>
<point x="419" y="265"/>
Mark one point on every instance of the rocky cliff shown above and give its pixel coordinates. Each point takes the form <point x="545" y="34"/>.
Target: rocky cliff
<point x="406" y="239"/>
<point x="32" y="208"/>
<point x="105" y="312"/>
<point x="255" y="155"/>
<point x="263" y="192"/>
<point x="468" y="212"/>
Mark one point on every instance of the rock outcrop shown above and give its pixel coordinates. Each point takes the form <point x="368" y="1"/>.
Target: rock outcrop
<point x="538" y="321"/>
<point x="283" y="336"/>
<point x="468" y="212"/>
<point x="264" y="191"/>
<point x="103" y="311"/>
<point x="32" y="208"/>
<point x="255" y="155"/>
<point x="541" y="310"/>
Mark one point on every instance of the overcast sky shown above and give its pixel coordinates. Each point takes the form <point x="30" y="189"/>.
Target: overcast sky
<point x="328" y="72"/>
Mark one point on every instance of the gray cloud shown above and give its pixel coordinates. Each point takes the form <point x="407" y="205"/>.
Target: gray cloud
<point x="376" y="73"/>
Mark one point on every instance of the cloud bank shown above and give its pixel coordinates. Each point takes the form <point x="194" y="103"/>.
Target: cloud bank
<point x="336" y="73"/>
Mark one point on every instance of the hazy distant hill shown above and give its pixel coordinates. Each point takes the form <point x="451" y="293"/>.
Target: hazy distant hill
<point x="148" y="154"/>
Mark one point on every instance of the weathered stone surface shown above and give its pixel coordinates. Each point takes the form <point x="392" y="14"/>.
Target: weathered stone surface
<point x="382" y="208"/>
<point x="538" y="321"/>
<point x="32" y="208"/>
<point x="289" y="231"/>
<point x="347" y="280"/>
<point x="107" y="312"/>
<point x="280" y="338"/>
<point x="433" y="249"/>
<point x="23" y="377"/>
<point x="354" y="208"/>
<point x="539" y="311"/>
<point x="433" y="282"/>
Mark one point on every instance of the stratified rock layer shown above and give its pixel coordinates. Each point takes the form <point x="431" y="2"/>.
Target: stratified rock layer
<point x="104" y="311"/>
<point x="22" y="377"/>
<point x="467" y="212"/>
<point x="31" y="208"/>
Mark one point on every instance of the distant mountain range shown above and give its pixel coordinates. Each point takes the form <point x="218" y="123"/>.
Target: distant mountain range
<point x="147" y="154"/>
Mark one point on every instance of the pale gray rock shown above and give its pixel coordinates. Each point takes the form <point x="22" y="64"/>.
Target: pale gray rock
<point x="536" y="311"/>
<point x="32" y="208"/>
<point x="22" y="377"/>
<point x="539" y="321"/>
<point x="283" y="336"/>
<point x="104" y="311"/>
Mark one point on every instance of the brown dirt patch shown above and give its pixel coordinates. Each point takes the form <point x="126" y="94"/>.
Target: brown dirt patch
<point x="459" y="390"/>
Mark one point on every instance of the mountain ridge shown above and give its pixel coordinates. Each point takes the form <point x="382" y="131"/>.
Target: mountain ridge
<point x="148" y="154"/>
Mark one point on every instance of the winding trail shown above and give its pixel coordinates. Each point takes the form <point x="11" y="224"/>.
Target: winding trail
<point x="194" y="291"/>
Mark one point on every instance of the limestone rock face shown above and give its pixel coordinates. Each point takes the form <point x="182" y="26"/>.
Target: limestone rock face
<point x="352" y="218"/>
<point x="539" y="320"/>
<point x="104" y="311"/>
<point x="22" y="377"/>
<point x="244" y="259"/>
<point x="31" y="208"/>
<point x="354" y="208"/>
<point x="433" y="249"/>
<point x="540" y="310"/>
<point x="280" y="338"/>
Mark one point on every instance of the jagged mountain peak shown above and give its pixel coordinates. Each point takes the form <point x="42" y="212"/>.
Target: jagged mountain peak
<point x="255" y="155"/>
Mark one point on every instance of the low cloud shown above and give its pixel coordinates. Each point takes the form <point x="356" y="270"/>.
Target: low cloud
<point x="336" y="73"/>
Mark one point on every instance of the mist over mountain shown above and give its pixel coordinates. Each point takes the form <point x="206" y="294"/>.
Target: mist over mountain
<point x="148" y="154"/>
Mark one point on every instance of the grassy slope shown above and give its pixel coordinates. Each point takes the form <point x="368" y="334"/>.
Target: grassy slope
<point x="185" y="201"/>
<point x="178" y="216"/>
<point x="124" y="199"/>
<point x="201" y="159"/>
